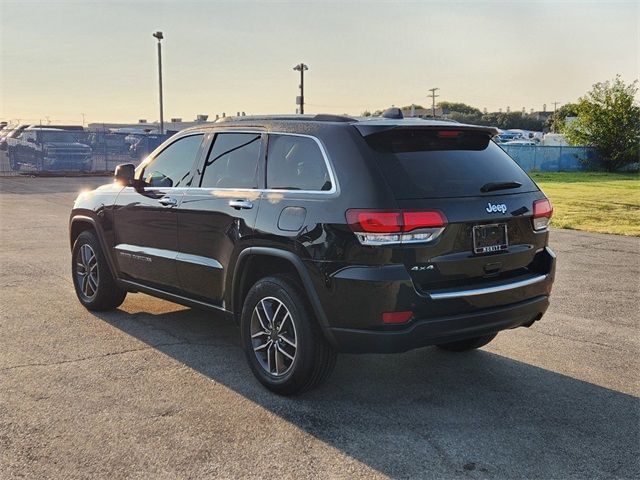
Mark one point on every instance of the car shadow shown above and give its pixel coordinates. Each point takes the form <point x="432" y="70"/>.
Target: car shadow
<point x="408" y="415"/>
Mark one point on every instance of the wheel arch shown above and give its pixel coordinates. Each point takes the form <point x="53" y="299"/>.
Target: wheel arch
<point x="243" y="280"/>
<point x="82" y="223"/>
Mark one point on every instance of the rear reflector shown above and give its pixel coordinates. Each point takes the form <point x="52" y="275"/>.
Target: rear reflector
<point x="542" y="212"/>
<point x="397" y="317"/>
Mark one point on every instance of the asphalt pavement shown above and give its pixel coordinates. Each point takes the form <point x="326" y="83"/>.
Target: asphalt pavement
<point x="157" y="390"/>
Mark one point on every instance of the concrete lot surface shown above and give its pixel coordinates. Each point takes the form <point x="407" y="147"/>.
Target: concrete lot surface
<point x="156" y="390"/>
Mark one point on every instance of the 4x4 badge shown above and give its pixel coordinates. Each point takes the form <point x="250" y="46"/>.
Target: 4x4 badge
<point x="500" y="207"/>
<point x="419" y="268"/>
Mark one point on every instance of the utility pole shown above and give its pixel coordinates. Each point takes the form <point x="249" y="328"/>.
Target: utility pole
<point x="555" y="109"/>
<point x="433" y="101"/>
<point x="159" y="36"/>
<point x="82" y="119"/>
<point x="301" y="67"/>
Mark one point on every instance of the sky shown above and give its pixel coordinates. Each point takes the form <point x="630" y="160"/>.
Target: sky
<point x="62" y="59"/>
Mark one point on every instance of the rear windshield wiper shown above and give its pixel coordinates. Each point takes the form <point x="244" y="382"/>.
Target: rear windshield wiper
<point x="493" y="186"/>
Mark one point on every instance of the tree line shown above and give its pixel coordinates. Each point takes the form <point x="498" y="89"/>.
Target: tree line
<point x="607" y="117"/>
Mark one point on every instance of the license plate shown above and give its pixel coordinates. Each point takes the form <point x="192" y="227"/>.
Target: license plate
<point x="490" y="238"/>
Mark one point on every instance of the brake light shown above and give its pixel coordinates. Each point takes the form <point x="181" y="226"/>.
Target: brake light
<point x="542" y="212"/>
<point x="449" y="133"/>
<point x="397" y="317"/>
<point x="387" y="227"/>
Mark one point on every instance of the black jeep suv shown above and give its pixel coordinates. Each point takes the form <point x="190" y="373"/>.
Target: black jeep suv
<point x="324" y="234"/>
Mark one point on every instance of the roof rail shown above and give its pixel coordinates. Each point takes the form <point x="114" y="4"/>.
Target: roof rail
<point x="321" y="117"/>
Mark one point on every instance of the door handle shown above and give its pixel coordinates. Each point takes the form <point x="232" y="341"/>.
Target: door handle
<point x="240" y="204"/>
<point x="168" y="201"/>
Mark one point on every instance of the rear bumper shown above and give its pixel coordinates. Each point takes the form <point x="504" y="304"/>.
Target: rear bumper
<point x="355" y="298"/>
<point x="433" y="331"/>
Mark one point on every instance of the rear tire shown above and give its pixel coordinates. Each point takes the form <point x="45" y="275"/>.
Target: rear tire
<point x="468" y="343"/>
<point x="95" y="286"/>
<point x="274" y="308"/>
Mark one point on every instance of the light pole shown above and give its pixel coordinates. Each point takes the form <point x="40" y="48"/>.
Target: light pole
<point x="301" y="68"/>
<point x="159" y="36"/>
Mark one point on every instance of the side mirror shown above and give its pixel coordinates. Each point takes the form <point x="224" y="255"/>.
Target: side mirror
<point x="124" y="174"/>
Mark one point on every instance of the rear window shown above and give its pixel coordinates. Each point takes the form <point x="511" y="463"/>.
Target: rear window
<point x="431" y="163"/>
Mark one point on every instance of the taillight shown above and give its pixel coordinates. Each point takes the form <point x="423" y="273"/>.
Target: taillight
<point x="389" y="227"/>
<point x="375" y="221"/>
<point x="542" y="211"/>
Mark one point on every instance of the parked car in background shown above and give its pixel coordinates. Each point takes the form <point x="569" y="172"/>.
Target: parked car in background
<point x="506" y="136"/>
<point x="49" y="149"/>
<point x="555" y="140"/>
<point x="13" y="132"/>
<point x="107" y="143"/>
<point x="520" y="143"/>
<point x="146" y="144"/>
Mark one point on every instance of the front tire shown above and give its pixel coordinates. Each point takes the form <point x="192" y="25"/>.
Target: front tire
<point x="95" y="286"/>
<point x="283" y="343"/>
<point x="468" y="343"/>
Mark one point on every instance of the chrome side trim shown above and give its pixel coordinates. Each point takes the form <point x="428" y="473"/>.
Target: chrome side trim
<point x="125" y="248"/>
<point x="168" y="254"/>
<point x="198" y="260"/>
<point x="487" y="290"/>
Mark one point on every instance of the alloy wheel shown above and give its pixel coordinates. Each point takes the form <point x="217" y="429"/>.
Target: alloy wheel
<point x="87" y="271"/>
<point x="273" y="336"/>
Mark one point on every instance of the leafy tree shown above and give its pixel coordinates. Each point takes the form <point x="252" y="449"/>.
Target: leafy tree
<point x="472" y="118"/>
<point x="556" y="121"/>
<point x="508" y="120"/>
<point x="459" y="107"/>
<point x="608" y="118"/>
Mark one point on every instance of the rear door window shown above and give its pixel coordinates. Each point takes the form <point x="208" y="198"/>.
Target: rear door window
<point x="432" y="163"/>
<point x="233" y="161"/>
<point x="296" y="163"/>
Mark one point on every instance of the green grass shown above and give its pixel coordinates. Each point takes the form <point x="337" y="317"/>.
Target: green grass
<point x="593" y="201"/>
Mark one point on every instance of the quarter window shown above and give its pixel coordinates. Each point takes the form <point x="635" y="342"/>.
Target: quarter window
<point x="296" y="163"/>
<point x="233" y="161"/>
<point x="172" y="166"/>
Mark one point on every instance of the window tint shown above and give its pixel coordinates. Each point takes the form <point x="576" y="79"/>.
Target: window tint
<point x="172" y="166"/>
<point x="427" y="163"/>
<point x="296" y="163"/>
<point x="233" y="161"/>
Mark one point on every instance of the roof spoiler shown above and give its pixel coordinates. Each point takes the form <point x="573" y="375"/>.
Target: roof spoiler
<point x="366" y="130"/>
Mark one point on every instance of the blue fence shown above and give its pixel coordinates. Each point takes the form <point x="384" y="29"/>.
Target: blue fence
<point x="554" y="159"/>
